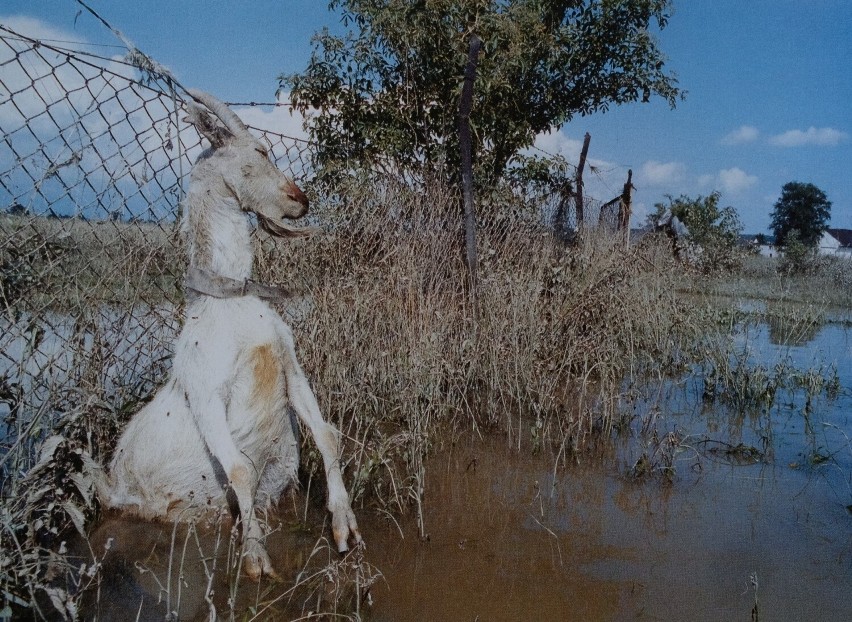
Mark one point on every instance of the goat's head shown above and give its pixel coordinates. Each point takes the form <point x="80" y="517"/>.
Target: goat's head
<point x="243" y="163"/>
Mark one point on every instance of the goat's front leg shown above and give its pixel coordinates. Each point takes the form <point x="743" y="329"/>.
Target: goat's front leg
<point x="325" y="435"/>
<point x="211" y="417"/>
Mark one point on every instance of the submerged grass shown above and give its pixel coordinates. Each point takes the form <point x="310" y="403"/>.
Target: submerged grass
<point x="401" y="362"/>
<point x="827" y="284"/>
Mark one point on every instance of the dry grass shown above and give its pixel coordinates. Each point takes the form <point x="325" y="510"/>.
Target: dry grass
<point x="399" y="359"/>
<point x="69" y="265"/>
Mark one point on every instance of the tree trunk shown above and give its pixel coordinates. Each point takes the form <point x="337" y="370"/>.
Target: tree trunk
<point x="465" y="105"/>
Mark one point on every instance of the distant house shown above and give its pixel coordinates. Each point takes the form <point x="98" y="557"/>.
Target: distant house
<point x="760" y="243"/>
<point x="836" y="242"/>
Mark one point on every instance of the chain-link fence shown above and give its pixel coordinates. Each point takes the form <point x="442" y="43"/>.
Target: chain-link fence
<point x="93" y="162"/>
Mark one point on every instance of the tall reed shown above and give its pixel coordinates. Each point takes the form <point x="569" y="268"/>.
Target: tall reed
<point x="401" y="361"/>
<point x="399" y="357"/>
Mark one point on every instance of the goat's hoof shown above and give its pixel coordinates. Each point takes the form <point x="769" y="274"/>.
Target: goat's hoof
<point x="358" y="549"/>
<point x="256" y="564"/>
<point x="345" y="527"/>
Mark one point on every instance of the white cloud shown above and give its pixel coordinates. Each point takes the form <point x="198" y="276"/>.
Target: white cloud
<point x="559" y="143"/>
<point x="602" y="179"/>
<point x="735" y="180"/>
<point x="40" y="78"/>
<point x="639" y="214"/>
<point x="744" y="134"/>
<point x="820" y="137"/>
<point x="728" y="181"/>
<point x="98" y="129"/>
<point x="707" y="180"/>
<point x="663" y="173"/>
<point x="34" y="28"/>
<point x="278" y="119"/>
<point x="19" y="66"/>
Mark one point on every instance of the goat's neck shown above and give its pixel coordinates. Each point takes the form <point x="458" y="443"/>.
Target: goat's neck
<point x="218" y="235"/>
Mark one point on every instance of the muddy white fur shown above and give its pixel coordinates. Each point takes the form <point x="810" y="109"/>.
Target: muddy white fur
<point x="219" y="432"/>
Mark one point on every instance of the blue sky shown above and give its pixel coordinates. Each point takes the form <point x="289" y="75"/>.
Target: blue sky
<point x="769" y="87"/>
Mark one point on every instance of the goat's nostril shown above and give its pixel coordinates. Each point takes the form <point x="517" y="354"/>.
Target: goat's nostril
<point x="296" y="194"/>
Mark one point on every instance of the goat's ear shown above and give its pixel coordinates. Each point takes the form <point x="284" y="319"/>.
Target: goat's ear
<point x="207" y="125"/>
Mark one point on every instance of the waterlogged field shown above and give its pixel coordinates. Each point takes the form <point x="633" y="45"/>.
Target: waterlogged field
<point x="598" y="440"/>
<point x="707" y="505"/>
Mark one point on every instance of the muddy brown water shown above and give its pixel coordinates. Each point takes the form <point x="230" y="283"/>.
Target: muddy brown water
<point x="507" y="541"/>
<point x="510" y="537"/>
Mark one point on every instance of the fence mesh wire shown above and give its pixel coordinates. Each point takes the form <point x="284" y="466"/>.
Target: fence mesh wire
<point x="93" y="160"/>
<point x="93" y="163"/>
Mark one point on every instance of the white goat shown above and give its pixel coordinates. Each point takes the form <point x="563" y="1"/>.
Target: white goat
<point x="220" y="432"/>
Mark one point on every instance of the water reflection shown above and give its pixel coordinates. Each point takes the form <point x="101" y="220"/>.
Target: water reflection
<point x="156" y="571"/>
<point x="510" y="542"/>
<point x="791" y="331"/>
<point x="748" y="504"/>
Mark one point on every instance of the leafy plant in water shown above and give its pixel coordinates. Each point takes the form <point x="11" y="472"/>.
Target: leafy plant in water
<point x="738" y="382"/>
<point x="659" y="456"/>
<point x="715" y="230"/>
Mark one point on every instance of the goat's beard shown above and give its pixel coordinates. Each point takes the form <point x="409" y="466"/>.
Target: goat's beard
<point x="280" y="230"/>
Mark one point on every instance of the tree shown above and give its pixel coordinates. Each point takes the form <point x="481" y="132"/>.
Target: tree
<point x="388" y="93"/>
<point x="713" y="229"/>
<point x="803" y="211"/>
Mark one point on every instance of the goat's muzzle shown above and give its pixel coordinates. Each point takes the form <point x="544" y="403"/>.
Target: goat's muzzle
<point x="275" y="222"/>
<point x="295" y="193"/>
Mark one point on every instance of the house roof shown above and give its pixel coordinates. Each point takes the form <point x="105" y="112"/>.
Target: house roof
<point x="844" y="236"/>
<point x="752" y="238"/>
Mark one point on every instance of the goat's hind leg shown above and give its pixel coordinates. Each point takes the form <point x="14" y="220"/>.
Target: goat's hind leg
<point x="304" y="402"/>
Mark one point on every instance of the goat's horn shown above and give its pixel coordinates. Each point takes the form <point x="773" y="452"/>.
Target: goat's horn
<point x="225" y="114"/>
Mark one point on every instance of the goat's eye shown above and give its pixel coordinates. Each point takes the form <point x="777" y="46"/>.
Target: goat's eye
<point x="262" y="151"/>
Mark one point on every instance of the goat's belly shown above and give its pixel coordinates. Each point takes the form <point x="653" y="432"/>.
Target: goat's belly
<point x="162" y="468"/>
<point x="161" y="465"/>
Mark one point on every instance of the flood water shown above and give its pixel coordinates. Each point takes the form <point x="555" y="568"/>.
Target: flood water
<point x="510" y="538"/>
<point x="753" y="522"/>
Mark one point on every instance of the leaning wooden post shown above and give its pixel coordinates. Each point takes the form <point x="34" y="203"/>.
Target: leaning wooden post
<point x="465" y="106"/>
<point x="624" y="208"/>
<point x="578" y="186"/>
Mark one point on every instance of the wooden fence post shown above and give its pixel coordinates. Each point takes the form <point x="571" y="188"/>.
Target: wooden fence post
<point x="578" y="186"/>
<point x="625" y="207"/>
